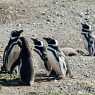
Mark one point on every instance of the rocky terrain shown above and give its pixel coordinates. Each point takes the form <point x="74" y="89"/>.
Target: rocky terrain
<point x="55" y="18"/>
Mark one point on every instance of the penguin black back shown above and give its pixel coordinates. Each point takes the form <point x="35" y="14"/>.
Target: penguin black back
<point x="27" y="70"/>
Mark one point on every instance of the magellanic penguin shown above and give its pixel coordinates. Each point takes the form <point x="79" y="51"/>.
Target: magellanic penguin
<point x="89" y="39"/>
<point x="27" y="70"/>
<point x="13" y="39"/>
<point x="26" y="64"/>
<point x="41" y="50"/>
<point x="59" y="56"/>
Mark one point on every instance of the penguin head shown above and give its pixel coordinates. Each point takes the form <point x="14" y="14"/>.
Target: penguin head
<point x="86" y="28"/>
<point x="50" y="40"/>
<point x="16" y="34"/>
<point x="37" y="42"/>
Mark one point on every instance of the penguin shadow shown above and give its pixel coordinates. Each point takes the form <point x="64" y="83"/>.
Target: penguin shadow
<point x="9" y="82"/>
<point x="44" y="78"/>
<point x="17" y="82"/>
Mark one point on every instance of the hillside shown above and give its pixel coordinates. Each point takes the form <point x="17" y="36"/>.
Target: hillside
<point x="58" y="18"/>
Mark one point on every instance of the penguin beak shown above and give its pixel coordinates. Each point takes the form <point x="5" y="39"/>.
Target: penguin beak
<point x="20" y="31"/>
<point x="32" y="38"/>
<point x="45" y="38"/>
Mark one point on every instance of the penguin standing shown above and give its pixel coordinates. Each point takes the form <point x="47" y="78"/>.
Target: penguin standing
<point x="13" y="39"/>
<point x="41" y="50"/>
<point x="53" y="46"/>
<point x="89" y="40"/>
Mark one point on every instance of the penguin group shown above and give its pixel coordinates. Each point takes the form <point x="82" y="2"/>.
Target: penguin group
<point x="18" y="54"/>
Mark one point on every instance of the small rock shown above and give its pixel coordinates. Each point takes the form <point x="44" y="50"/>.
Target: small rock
<point x="69" y="51"/>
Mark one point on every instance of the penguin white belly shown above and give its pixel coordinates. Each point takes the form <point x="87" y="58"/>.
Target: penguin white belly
<point x="13" y="56"/>
<point x="85" y="42"/>
<point x="52" y="61"/>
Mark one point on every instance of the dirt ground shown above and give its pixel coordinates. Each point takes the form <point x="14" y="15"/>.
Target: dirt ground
<point x="55" y="18"/>
<point x="83" y="82"/>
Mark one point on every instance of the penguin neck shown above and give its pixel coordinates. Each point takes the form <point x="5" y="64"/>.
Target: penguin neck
<point x="54" y="47"/>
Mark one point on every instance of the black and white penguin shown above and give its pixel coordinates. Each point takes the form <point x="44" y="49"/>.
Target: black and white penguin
<point x="41" y="50"/>
<point x="13" y="39"/>
<point x="59" y="55"/>
<point x="89" y="40"/>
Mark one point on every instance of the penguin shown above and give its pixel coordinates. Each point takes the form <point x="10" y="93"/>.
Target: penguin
<point x="89" y="40"/>
<point x="27" y="70"/>
<point x="13" y="39"/>
<point x="41" y="50"/>
<point x="53" y="47"/>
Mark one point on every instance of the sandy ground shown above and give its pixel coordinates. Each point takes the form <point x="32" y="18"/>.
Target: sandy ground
<point x="55" y="18"/>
